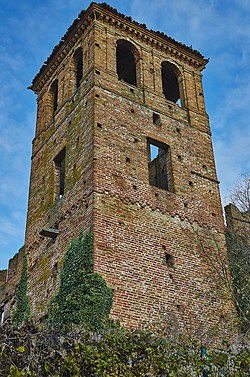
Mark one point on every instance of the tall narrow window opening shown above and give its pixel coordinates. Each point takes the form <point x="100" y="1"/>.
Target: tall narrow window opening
<point x="126" y="62"/>
<point x="54" y="90"/>
<point x="159" y="165"/>
<point x="170" y="84"/>
<point x="169" y="260"/>
<point x="78" y="66"/>
<point x="1" y="316"/>
<point x="59" y="162"/>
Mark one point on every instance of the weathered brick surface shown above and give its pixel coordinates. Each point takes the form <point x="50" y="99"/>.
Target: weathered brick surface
<point x="9" y="280"/>
<point x="238" y="222"/>
<point x="104" y="125"/>
<point x="3" y="276"/>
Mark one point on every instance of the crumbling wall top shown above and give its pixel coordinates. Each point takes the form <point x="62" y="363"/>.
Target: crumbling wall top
<point x="238" y="222"/>
<point x="3" y="275"/>
<point x="111" y="15"/>
<point x="10" y="278"/>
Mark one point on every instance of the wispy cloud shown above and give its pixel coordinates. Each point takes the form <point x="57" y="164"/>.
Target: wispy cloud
<point x="29" y="30"/>
<point x="220" y="30"/>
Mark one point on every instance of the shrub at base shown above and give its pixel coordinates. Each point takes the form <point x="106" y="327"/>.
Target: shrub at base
<point x="239" y="251"/>
<point x="83" y="297"/>
<point x="32" y="351"/>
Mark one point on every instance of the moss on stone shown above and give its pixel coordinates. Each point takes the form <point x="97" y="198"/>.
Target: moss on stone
<point x="22" y="311"/>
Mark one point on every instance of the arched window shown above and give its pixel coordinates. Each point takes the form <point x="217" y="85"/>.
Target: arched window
<point x="59" y="162"/>
<point x="170" y="82"/>
<point x="126" y="62"/>
<point x="54" y="91"/>
<point x="78" y="66"/>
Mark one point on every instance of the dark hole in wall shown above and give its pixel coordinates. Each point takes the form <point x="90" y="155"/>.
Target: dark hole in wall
<point x="156" y="119"/>
<point x="55" y="268"/>
<point x="169" y="260"/>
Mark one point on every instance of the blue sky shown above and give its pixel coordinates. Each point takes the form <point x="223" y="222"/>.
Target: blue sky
<point x="29" y="29"/>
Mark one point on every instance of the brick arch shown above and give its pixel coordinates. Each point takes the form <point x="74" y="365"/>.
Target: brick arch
<point x="127" y="62"/>
<point x="47" y="109"/>
<point x="172" y="86"/>
<point x="54" y="94"/>
<point x="78" y="66"/>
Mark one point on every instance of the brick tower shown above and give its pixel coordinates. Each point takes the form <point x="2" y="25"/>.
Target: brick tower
<point x="123" y="147"/>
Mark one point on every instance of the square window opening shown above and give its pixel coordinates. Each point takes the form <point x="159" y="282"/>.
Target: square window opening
<point x="156" y="119"/>
<point x="159" y="165"/>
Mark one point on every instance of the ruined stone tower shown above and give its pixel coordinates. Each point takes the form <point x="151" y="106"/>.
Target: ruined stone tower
<point x="123" y="148"/>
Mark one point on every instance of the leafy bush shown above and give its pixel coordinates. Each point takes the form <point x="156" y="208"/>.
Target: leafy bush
<point x="36" y="352"/>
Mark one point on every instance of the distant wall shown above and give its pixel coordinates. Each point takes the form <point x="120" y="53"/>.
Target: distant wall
<point x="238" y="222"/>
<point x="9" y="280"/>
<point x="3" y="275"/>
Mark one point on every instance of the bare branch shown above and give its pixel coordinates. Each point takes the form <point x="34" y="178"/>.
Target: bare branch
<point x="240" y="196"/>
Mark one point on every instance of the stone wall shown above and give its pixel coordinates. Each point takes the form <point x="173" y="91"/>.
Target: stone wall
<point x="9" y="280"/>
<point x="238" y="222"/>
<point x="3" y="276"/>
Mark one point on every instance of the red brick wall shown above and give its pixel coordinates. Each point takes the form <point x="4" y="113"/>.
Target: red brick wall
<point x="136" y="224"/>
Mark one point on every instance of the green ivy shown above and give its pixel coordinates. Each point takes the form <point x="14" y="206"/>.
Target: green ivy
<point x="239" y="251"/>
<point x="83" y="297"/>
<point x="22" y="311"/>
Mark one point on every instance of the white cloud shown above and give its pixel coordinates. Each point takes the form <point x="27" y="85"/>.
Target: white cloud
<point x="219" y="29"/>
<point x="10" y="229"/>
<point x="200" y="23"/>
<point x="232" y="142"/>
